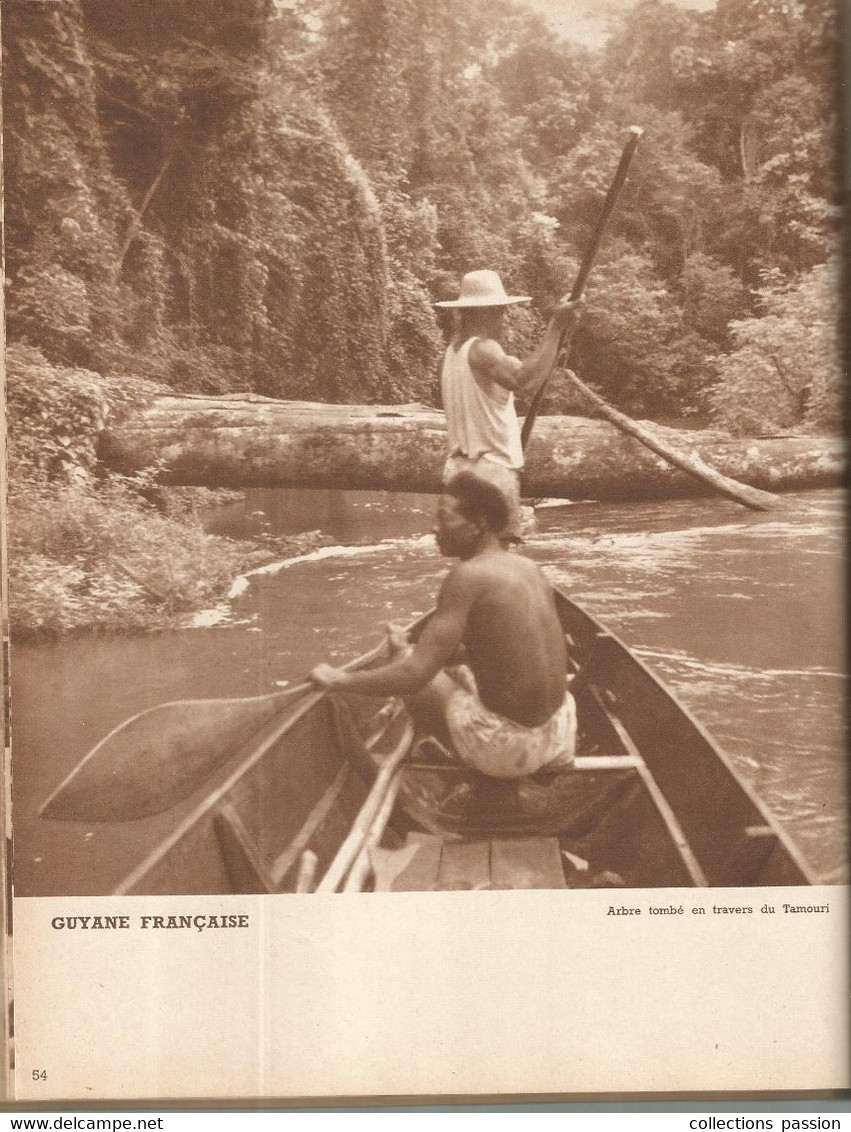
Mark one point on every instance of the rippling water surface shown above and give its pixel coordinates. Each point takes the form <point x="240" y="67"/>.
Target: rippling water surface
<point x="740" y="613"/>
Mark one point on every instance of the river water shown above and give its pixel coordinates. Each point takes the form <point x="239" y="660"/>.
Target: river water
<point x="741" y="613"/>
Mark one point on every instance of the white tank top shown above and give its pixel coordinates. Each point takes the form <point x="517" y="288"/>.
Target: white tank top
<point x="480" y="418"/>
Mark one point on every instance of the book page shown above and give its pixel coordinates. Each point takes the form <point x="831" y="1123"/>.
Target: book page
<point x="432" y="994"/>
<point x="238" y="246"/>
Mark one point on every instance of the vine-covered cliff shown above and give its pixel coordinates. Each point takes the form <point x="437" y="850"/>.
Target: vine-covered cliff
<point x="180" y="206"/>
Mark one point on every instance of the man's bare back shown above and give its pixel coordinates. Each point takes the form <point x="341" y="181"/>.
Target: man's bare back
<point x="513" y="639"/>
<point x="497" y="614"/>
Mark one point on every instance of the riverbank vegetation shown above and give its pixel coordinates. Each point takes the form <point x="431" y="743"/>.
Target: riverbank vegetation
<point x="88" y="550"/>
<point x="270" y="196"/>
<point x="92" y="550"/>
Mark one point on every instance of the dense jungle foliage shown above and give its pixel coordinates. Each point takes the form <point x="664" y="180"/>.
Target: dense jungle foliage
<point x="271" y="194"/>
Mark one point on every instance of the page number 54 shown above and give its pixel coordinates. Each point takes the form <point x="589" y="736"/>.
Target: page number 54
<point x="39" y="1074"/>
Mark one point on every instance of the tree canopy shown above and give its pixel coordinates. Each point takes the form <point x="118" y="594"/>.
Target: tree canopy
<point x="271" y="195"/>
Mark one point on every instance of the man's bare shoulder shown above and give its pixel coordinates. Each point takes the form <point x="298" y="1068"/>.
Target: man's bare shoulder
<point x="486" y="353"/>
<point x="462" y="583"/>
<point x="486" y="569"/>
<point x="485" y="575"/>
<point x="483" y="348"/>
<point x="463" y="575"/>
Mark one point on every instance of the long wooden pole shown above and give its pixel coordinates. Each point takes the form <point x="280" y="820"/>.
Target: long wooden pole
<point x="587" y="263"/>
<point x="359" y="872"/>
<point x="351" y="847"/>
<point x="751" y="497"/>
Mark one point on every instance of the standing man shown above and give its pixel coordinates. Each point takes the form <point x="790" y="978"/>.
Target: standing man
<point x="478" y="381"/>
<point x="507" y="711"/>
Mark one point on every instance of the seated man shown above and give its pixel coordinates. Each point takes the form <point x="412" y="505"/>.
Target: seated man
<point x="510" y="713"/>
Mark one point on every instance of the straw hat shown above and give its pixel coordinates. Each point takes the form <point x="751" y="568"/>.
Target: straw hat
<point x="483" y="289"/>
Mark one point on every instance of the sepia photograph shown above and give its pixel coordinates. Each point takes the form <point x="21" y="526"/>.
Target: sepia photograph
<point x="424" y="428"/>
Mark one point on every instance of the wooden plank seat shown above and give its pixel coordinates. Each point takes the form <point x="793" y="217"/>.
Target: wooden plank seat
<point x="445" y="863"/>
<point x="430" y="754"/>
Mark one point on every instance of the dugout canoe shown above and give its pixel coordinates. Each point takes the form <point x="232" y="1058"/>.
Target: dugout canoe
<point x="348" y="797"/>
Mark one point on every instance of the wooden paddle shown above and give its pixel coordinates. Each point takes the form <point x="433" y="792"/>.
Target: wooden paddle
<point x="160" y="756"/>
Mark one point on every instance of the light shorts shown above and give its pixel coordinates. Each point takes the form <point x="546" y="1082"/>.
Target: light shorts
<point x="506" y="479"/>
<point x="499" y="747"/>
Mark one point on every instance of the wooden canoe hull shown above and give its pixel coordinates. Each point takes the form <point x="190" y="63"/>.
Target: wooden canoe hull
<point x="735" y="838"/>
<point x="652" y="801"/>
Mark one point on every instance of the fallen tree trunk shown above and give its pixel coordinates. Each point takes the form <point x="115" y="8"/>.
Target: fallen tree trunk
<point x="242" y="442"/>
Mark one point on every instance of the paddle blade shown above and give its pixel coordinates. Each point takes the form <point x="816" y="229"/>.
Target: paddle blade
<point x="159" y="757"/>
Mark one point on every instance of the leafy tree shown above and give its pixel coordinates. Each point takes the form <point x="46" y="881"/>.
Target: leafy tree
<point x="620" y="344"/>
<point x="362" y="61"/>
<point x="756" y="82"/>
<point x="710" y="295"/>
<point x="549" y="84"/>
<point x="785" y="370"/>
<point x="63" y="204"/>
<point x="671" y="202"/>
